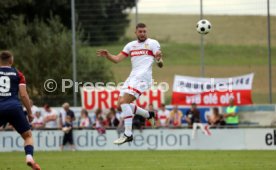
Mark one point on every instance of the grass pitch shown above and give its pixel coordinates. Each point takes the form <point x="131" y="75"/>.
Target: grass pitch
<point x="144" y="160"/>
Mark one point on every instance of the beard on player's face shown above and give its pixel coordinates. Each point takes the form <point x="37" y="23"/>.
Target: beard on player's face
<point x="141" y="34"/>
<point x="142" y="39"/>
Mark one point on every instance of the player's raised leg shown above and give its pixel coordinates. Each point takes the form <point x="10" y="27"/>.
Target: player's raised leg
<point x="127" y="114"/>
<point x="142" y="112"/>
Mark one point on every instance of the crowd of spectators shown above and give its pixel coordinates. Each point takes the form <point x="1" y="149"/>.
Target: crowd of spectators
<point x="66" y="120"/>
<point x="49" y="118"/>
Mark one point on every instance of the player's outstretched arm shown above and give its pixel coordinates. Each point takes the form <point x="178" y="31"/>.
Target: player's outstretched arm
<point x="158" y="58"/>
<point x="26" y="101"/>
<point x="114" y="58"/>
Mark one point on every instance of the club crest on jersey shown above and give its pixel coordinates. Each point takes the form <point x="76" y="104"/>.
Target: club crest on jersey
<point x="146" y="46"/>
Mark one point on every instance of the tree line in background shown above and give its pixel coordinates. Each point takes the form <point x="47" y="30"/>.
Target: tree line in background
<point x="38" y="33"/>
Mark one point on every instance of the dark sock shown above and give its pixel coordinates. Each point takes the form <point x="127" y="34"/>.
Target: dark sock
<point x="29" y="150"/>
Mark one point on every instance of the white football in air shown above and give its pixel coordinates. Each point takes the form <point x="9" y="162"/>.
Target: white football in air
<point x="203" y="26"/>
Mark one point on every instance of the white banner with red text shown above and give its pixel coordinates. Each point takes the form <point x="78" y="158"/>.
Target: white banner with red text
<point x="212" y="91"/>
<point x="105" y="98"/>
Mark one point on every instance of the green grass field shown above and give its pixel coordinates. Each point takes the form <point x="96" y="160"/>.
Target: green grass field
<point x="144" y="160"/>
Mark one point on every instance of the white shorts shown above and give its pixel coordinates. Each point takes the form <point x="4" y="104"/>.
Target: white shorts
<point x="135" y="86"/>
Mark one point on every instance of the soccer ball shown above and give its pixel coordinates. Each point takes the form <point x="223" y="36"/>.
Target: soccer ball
<point x="203" y="26"/>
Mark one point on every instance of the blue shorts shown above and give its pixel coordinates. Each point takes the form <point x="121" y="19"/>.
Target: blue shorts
<point x="16" y="117"/>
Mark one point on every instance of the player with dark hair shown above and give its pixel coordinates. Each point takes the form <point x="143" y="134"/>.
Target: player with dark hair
<point x="142" y="52"/>
<point x="13" y="82"/>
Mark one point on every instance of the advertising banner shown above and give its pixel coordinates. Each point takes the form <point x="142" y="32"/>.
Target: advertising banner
<point x="212" y="91"/>
<point x="150" y="139"/>
<point x="104" y="98"/>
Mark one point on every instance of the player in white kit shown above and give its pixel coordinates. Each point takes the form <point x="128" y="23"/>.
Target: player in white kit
<point x="143" y="52"/>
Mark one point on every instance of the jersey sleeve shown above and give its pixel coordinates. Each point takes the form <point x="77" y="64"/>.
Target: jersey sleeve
<point x="126" y="50"/>
<point x="155" y="47"/>
<point x="22" y="80"/>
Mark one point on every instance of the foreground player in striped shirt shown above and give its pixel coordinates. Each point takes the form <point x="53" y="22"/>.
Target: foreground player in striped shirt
<point x="143" y="52"/>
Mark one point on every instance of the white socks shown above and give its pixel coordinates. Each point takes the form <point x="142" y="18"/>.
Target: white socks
<point x="29" y="158"/>
<point x="139" y="111"/>
<point x="128" y="111"/>
<point x="127" y="114"/>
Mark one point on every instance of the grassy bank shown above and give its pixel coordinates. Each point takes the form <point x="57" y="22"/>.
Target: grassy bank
<point x="236" y="45"/>
<point x="220" y="61"/>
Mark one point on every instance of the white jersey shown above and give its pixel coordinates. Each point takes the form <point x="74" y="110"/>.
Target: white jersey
<point x="52" y="123"/>
<point x="163" y="116"/>
<point x="142" y="57"/>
